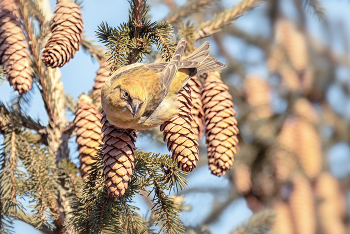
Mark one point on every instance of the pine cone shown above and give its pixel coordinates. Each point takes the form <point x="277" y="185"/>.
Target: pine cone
<point x="119" y="150"/>
<point x="13" y="48"/>
<point x="284" y="153"/>
<point x="332" y="205"/>
<point x="258" y="96"/>
<point x="302" y="206"/>
<point x="293" y="42"/>
<point x="101" y="76"/>
<point x="309" y="149"/>
<point x="221" y="125"/>
<point x="88" y="129"/>
<point x="197" y="108"/>
<point x="283" y="222"/>
<point x="66" y="28"/>
<point x="242" y="179"/>
<point x="178" y="133"/>
<point x="304" y="109"/>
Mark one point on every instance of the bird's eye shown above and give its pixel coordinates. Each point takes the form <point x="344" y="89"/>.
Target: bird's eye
<point x="126" y="94"/>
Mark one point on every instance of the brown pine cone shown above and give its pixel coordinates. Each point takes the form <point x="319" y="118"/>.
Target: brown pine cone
<point x="13" y="48"/>
<point x="220" y="124"/>
<point x="101" y="76"/>
<point x="67" y="29"/>
<point x="304" y="109"/>
<point x="284" y="154"/>
<point x="283" y="222"/>
<point x="258" y="96"/>
<point x="88" y="129"/>
<point x="309" y="148"/>
<point x="332" y="206"/>
<point x="178" y="133"/>
<point x="302" y="206"/>
<point x="293" y="42"/>
<point x="242" y="179"/>
<point x="197" y="108"/>
<point x="118" y="158"/>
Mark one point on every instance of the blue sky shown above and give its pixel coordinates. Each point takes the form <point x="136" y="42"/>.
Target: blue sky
<point x="78" y="77"/>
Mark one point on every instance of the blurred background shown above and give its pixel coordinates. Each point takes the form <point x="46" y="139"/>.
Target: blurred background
<point x="289" y="76"/>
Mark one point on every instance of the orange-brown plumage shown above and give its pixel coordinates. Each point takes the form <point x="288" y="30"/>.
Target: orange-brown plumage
<point x="142" y="96"/>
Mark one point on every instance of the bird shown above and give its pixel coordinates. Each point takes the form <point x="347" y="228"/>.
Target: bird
<point x="144" y="95"/>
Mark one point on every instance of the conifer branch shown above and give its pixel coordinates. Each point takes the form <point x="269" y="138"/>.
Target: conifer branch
<point x="93" y="49"/>
<point x="189" y="8"/>
<point x="2" y="75"/>
<point x="316" y="7"/>
<point x="259" y="223"/>
<point x="224" y="18"/>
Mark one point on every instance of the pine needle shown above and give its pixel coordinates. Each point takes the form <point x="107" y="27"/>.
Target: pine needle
<point x="259" y="223"/>
<point x="224" y="18"/>
<point x="316" y="7"/>
<point x="189" y="8"/>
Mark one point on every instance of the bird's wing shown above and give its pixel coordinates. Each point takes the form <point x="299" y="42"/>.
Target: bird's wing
<point x="169" y="72"/>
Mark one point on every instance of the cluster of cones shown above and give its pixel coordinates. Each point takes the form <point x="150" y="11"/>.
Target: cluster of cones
<point x="64" y="41"/>
<point x="210" y="105"/>
<point x="291" y="180"/>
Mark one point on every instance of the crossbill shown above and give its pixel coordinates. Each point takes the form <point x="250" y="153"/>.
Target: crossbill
<point x="142" y="96"/>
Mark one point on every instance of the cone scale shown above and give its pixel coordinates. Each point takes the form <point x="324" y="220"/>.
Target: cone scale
<point x="14" y="54"/>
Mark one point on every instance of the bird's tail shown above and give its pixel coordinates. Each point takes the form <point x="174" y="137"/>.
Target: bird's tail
<point x="200" y="61"/>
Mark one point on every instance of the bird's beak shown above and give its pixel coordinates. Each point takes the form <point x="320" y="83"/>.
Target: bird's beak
<point x="135" y="106"/>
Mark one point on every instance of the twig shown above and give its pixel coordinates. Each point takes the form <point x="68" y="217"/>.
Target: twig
<point x="212" y="26"/>
<point x="103" y="207"/>
<point x="186" y="10"/>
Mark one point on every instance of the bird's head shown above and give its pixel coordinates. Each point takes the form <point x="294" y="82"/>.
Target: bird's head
<point x="124" y="98"/>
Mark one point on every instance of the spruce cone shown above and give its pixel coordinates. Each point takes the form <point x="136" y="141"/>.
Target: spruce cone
<point x="304" y="109"/>
<point x="101" y="76"/>
<point x="332" y="206"/>
<point x="178" y="133"/>
<point x="221" y="125"/>
<point x="13" y="48"/>
<point x="294" y="43"/>
<point x="309" y="149"/>
<point x="258" y="96"/>
<point x="118" y="158"/>
<point x="283" y="222"/>
<point x="67" y="29"/>
<point x="197" y="108"/>
<point x="302" y="206"/>
<point x="285" y="152"/>
<point x="88" y="129"/>
<point x="242" y="179"/>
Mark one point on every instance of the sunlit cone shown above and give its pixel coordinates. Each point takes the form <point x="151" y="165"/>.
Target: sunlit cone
<point x="220" y="124"/>
<point x="284" y="154"/>
<point x="302" y="206"/>
<point x="14" y="54"/>
<point x="179" y="135"/>
<point x="332" y="204"/>
<point x="290" y="77"/>
<point x="295" y="71"/>
<point x="258" y="96"/>
<point x="275" y="59"/>
<point x="283" y="223"/>
<point x="197" y="108"/>
<point x="118" y="158"/>
<point x="242" y="178"/>
<point x="66" y="28"/>
<point x="304" y="109"/>
<point x="309" y="149"/>
<point x="101" y="76"/>
<point x="293" y="42"/>
<point x="88" y="130"/>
